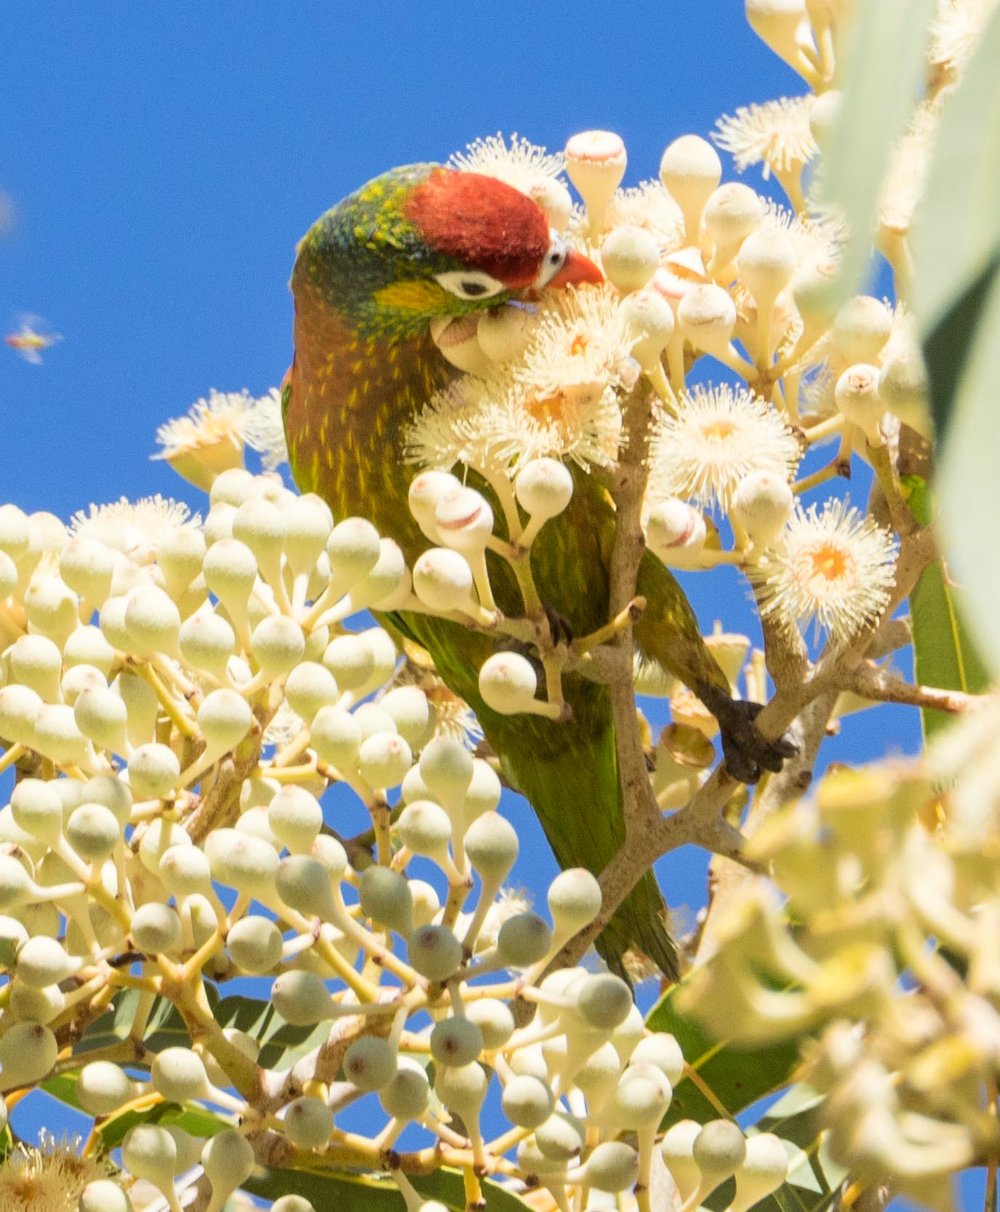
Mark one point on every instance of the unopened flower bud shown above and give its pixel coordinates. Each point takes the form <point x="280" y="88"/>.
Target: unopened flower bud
<point x="56" y="735"/>
<point x="301" y="998"/>
<point x="765" y="264"/>
<point x="649" y="322"/>
<point x="629" y="257"/>
<point x="383" y="759"/>
<point x="295" y="817"/>
<point x="707" y="317"/>
<point x="386" y="898"/>
<point x="309" y="688"/>
<point x="156" y="928"/>
<point x="153" y="771"/>
<point x="386" y="585"/>
<point x="304" y="883"/>
<point x="455" y="1041"/>
<point x="603" y="1001"/>
<point x="691" y="170"/>
<point x="307" y="1122"/>
<point x="904" y="390"/>
<point x="152" y="621"/>
<point x="27" y="1053"/>
<point x="353" y="549"/>
<point x="676" y="532"/>
<point x="43" y="961"/>
<point x="494" y="1020"/>
<point x="778" y="24"/>
<point x="455" y="337"/>
<point x="732" y="212"/>
<point x="410" y="710"/>
<point x="308" y="525"/>
<point x="248" y="864"/>
<point x="442" y="580"/>
<point x="544" y="487"/>
<point x="492" y="846"/>
<point x="718" y="1151"/>
<point x="613" y="1166"/>
<point x="224" y="718"/>
<point x="762" y="504"/>
<point x="336" y="736"/>
<point x="425" y="828"/>
<point x="763" y="1170"/>
<point x="230" y="570"/>
<point x="19" y="708"/>
<point x="179" y="1075"/>
<point x="595" y="163"/>
<point x="527" y="1101"/>
<point x="662" y="1050"/>
<point x="37" y="809"/>
<point x="228" y="1160"/>
<point x="857" y="398"/>
<point x="677" y="1150"/>
<point x="93" y="831"/>
<point x="254" y="944"/>
<point x="51" y="607"/>
<point x="523" y="940"/>
<point x="508" y="683"/>
<point x="15" y="532"/>
<point x="462" y="1088"/>
<point x="861" y="329"/>
<point x="425" y="491"/>
<point x="102" y="1087"/>
<point x="149" y="1151"/>
<point x="370" y="1063"/>
<point x="574" y="900"/>
<point x="553" y="197"/>
<point x="407" y="1094"/>
<point x="278" y="644"/>
<point x="206" y="642"/>
<point x="435" y="952"/>
<point x="463" y="520"/>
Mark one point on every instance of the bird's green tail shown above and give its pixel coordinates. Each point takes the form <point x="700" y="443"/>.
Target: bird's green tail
<point x="576" y="798"/>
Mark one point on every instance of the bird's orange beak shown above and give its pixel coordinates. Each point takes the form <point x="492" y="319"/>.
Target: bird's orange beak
<point x="576" y="271"/>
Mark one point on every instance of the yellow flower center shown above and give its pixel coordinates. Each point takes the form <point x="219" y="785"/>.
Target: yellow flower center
<point x="828" y="562"/>
<point x="547" y="410"/>
<point x="720" y="429"/>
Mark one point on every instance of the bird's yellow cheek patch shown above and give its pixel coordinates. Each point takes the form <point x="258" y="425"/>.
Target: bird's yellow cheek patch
<point x="415" y="295"/>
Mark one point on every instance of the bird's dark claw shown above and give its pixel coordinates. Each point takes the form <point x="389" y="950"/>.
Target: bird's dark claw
<point x="747" y="753"/>
<point x="560" y="631"/>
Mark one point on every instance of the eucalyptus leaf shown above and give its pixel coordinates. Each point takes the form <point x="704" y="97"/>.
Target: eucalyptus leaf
<point x="883" y="67"/>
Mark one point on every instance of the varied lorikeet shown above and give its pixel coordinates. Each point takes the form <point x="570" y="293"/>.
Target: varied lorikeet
<point x="419" y="243"/>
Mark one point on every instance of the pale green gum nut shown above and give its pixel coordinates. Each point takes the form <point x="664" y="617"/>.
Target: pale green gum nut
<point x="36" y="807"/>
<point x="155" y="928"/>
<point x="372" y="719"/>
<point x="56" y="735"/>
<point x="370" y="1063"/>
<point x="492" y="846"/>
<point x="523" y="940"/>
<point x="410" y="712"/>
<point x="385" y="897"/>
<point x="185" y="869"/>
<point x="303" y="883"/>
<point x="93" y="830"/>
<point x="493" y="1018"/>
<point x="160" y="835"/>
<point x="207" y="641"/>
<point x="43" y="961"/>
<point x="425" y="828"/>
<point x="19" y="708"/>
<point x="483" y="792"/>
<point x="677" y="1150"/>
<point x="434" y="951"/>
<point x="407" y="1094"/>
<point x="111" y="621"/>
<point x="307" y="1122"/>
<point x="718" y="1151"/>
<point x="254" y="944"/>
<point x="295" y="817"/>
<point x="613" y="1166"/>
<point x="224" y="718"/>
<point x="662" y="1050"/>
<point x="764" y="1169"/>
<point x="508" y="683"/>
<point x="331" y="854"/>
<point x="350" y="659"/>
<point x="301" y="998"/>
<point x="228" y="1161"/>
<point x="292" y="1203"/>
<point x="149" y="1151"/>
<point x="103" y="1087"/>
<point x="86" y="645"/>
<point x="153" y="770"/>
<point x="51" y="607"/>
<point x="574" y="899"/>
<point x="278" y="644"/>
<point x="336" y="736"/>
<point x="386" y="586"/>
<point x="353" y="549"/>
<point x="310" y="687"/>
<point x="79" y="678"/>
<point x="383" y="759"/>
<point x="104" y="1195"/>
<point x="462" y="1088"/>
<point x="561" y="1137"/>
<point x="598" y="1076"/>
<point x="531" y="1160"/>
<point x="28" y="1005"/>
<point x="179" y="556"/>
<point x="527" y="1101"/>
<point x="248" y="864"/>
<point x="230" y="570"/>
<point x="179" y="1075"/>
<point x="456" y="1041"/>
<point x="861" y="328"/>
<point x="413" y="787"/>
<point x="27" y="1053"/>
<point x="260" y="524"/>
<point x="641" y="1098"/>
<point x="152" y="621"/>
<point x="36" y="661"/>
<point x="446" y="766"/>
<point x="308" y="523"/>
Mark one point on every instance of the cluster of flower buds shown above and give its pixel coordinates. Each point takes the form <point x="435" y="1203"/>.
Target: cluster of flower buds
<point x="165" y="833"/>
<point x="893" y="894"/>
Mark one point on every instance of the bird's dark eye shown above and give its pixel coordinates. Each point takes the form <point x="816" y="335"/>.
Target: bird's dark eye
<point x="553" y="261"/>
<point x="470" y="284"/>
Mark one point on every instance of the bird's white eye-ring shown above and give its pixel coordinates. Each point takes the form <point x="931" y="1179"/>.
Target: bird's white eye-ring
<point x="470" y="283"/>
<point x="553" y="261"/>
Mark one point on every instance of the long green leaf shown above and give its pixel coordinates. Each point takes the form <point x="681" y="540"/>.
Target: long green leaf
<point x="957" y="230"/>
<point x="367" y="1193"/>
<point x="737" y="1077"/>
<point x="884" y="56"/>
<point x="943" y="651"/>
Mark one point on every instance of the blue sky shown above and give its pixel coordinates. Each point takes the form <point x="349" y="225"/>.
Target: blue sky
<point x="164" y="159"/>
